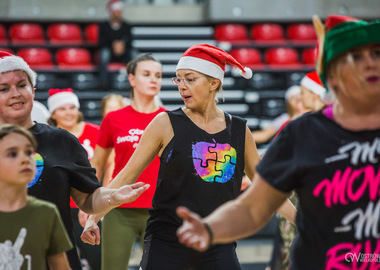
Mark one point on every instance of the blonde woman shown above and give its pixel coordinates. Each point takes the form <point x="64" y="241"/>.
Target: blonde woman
<point x="204" y="153"/>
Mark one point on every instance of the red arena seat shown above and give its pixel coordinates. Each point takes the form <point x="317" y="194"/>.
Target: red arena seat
<point x="39" y="58"/>
<point x="74" y="58"/>
<point x="301" y="32"/>
<point x="309" y="56"/>
<point x="267" y="32"/>
<point x="64" y="33"/>
<point x="231" y="33"/>
<point x="247" y="56"/>
<point x="92" y="33"/>
<point x="26" y="33"/>
<point x="282" y="57"/>
<point x="115" y="66"/>
<point x="3" y="34"/>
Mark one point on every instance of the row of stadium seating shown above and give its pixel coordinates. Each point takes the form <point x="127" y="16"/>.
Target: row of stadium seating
<point x="72" y="33"/>
<point x="266" y="32"/>
<point x="56" y="34"/>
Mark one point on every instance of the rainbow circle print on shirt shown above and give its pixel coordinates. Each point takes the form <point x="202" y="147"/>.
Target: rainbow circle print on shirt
<point x="39" y="168"/>
<point x="214" y="162"/>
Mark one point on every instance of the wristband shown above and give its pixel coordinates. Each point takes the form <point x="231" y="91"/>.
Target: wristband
<point x="209" y="231"/>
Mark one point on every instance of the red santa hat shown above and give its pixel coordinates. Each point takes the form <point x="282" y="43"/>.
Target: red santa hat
<point x="312" y="82"/>
<point x="114" y="5"/>
<point x="211" y="61"/>
<point x="60" y="97"/>
<point x="10" y="62"/>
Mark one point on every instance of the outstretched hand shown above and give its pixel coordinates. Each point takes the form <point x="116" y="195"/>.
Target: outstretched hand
<point x="124" y="194"/>
<point x="193" y="232"/>
<point x="127" y="193"/>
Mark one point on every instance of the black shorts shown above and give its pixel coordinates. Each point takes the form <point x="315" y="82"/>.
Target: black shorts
<point x="163" y="255"/>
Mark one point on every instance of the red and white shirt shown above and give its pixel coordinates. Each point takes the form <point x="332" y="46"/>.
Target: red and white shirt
<point x="122" y="130"/>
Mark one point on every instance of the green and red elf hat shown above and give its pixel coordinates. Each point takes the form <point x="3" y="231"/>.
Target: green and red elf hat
<point x="340" y="34"/>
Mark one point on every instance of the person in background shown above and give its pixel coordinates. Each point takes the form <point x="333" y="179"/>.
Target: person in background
<point x="64" y="109"/>
<point x="264" y="135"/>
<point x="113" y="102"/>
<point x="294" y="105"/>
<point x="63" y="169"/>
<point x="204" y="153"/>
<point x="294" y="108"/>
<point x="40" y="113"/>
<point x="313" y="92"/>
<point x="121" y="130"/>
<point x="285" y="230"/>
<point x="26" y="242"/>
<point x="114" y="40"/>
<point x="329" y="157"/>
<point x="110" y="103"/>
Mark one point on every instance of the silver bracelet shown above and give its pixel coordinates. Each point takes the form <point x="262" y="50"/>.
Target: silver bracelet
<point x="109" y="197"/>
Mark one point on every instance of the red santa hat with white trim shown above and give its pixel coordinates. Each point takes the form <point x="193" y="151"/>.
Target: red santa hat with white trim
<point x="60" y="97"/>
<point x="312" y="82"/>
<point x="211" y="61"/>
<point x="10" y="62"/>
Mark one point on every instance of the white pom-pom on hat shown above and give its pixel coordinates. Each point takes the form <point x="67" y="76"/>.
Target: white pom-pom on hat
<point x="247" y="73"/>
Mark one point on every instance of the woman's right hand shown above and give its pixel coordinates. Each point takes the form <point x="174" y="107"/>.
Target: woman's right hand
<point x="91" y="232"/>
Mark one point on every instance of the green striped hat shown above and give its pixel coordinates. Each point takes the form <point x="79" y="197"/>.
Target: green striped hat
<point x="340" y="34"/>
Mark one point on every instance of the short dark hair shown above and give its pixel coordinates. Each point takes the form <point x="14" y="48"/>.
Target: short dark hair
<point x="7" y="129"/>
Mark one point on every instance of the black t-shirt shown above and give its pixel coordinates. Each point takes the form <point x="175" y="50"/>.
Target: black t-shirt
<point x="62" y="163"/>
<point x="335" y="173"/>
<point x="198" y="170"/>
<point x="107" y="35"/>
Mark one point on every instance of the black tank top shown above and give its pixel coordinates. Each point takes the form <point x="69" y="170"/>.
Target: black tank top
<point x="198" y="170"/>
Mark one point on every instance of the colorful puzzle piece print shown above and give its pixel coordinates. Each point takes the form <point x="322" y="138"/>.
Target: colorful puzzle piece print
<point x="39" y="168"/>
<point x="214" y="162"/>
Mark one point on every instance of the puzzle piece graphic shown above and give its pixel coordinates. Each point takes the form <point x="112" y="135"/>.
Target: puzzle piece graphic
<point x="39" y="168"/>
<point x="227" y="167"/>
<point x="214" y="162"/>
<point x="223" y="151"/>
<point x="208" y="172"/>
<point x="200" y="153"/>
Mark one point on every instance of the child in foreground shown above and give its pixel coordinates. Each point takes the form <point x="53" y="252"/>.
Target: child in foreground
<point x="32" y="235"/>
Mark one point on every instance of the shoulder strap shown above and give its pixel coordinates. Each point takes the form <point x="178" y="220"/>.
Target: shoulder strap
<point x="176" y="117"/>
<point x="235" y="124"/>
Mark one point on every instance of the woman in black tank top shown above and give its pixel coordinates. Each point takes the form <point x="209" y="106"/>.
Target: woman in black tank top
<point x="204" y="154"/>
